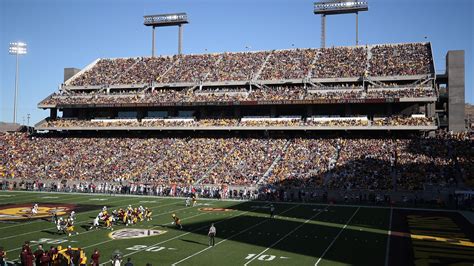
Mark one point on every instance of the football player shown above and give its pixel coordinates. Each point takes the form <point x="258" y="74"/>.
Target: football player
<point x="108" y="222"/>
<point x="70" y="227"/>
<point x="148" y="214"/>
<point x="176" y="221"/>
<point x="188" y="201"/>
<point x="60" y="225"/>
<point x="95" y="223"/>
<point x="72" y="215"/>
<point x="141" y="211"/>
<point x="34" y="210"/>
<point x="54" y="217"/>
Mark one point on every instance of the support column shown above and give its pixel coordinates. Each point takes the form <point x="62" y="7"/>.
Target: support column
<point x="180" y="39"/>
<point x="455" y="68"/>
<point x="323" y="31"/>
<point x="153" y="42"/>
<point x="53" y="113"/>
<point x="357" y="28"/>
<point x="16" y="90"/>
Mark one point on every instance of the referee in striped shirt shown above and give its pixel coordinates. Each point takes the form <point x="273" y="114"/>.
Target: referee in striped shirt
<point x="211" y="234"/>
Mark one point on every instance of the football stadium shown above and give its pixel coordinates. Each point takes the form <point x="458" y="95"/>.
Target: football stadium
<point x="357" y="154"/>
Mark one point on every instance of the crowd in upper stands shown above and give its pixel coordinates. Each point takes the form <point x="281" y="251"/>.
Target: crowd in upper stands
<point x="357" y="163"/>
<point x="288" y="64"/>
<point x="238" y="94"/>
<point x="341" y="62"/>
<point x="400" y="60"/>
<point x="334" y="62"/>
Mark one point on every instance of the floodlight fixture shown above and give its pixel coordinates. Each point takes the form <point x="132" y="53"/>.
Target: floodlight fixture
<point x="17" y="48"/>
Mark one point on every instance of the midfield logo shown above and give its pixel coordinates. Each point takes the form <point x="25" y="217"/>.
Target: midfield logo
<point x="128" y="233"/>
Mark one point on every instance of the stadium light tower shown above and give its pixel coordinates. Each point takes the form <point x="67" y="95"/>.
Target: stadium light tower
<point x="164" y="20"/>
<point x="337" y="7"/>
<point x="17" y="49"/>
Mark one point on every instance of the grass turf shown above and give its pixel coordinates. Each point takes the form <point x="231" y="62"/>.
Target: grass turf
<point x="300" y="234"/>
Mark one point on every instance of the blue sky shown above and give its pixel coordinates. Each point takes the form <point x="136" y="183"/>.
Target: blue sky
<point x="73" y="33"/>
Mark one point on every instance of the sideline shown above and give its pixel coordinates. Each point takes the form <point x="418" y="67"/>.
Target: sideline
<point x="256" y="201"/>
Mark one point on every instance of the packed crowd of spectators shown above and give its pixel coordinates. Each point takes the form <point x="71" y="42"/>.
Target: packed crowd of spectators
<point x="228" y="95"/>
<point x="400" y="60"/>
<point x="169" y="166"/>
<point x="238" y="66"/>
<point x="338" y="123"/>
<point x="288" y="64"/>
<point x="400" y="93"/>
<point x="271" y="123"/>
<point x="190" y="68"/>
<point x="146" y="70"/>
<point x="247" y="163"/>
<point x="302" y="162"/>
<point x="403" y="121"/>
<point x="334" y="95"/>
<point x="105" y="71"/>
<point x="234" y="122"/>
<point x="340" y="62"/>
<point x="335" y="62"/>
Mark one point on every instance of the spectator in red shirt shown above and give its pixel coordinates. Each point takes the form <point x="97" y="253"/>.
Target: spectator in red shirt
<point x="95" y="258"/>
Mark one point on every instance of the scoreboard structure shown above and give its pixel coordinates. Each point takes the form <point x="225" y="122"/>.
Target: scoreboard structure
<point x="165" y="20"/>
<point x="338" y="7"/>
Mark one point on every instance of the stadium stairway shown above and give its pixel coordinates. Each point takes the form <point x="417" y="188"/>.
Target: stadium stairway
<point x="275" y="162"/>
<point x="206" y="174"/>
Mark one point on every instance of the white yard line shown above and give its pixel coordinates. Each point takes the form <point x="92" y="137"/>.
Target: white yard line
<point x="337" y="236"/>
<point x="187" y="233"/>
<point x="282" y="238"/>
<point x="39" y="219"/>
<point x="232" y="236"/>
<point x="15" y="197"/>
<point x="156" y="215"/>
<point x="389" y="233"/>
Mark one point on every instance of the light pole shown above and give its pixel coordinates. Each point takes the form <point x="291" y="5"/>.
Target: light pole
<point x="17" y="49"/>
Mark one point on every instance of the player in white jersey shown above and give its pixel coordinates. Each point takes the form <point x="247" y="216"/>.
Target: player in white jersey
<point x="72" y="215"/>
<point x="34" y="209"/>
<point x="95" y="223"/>
<point x="188" y="201"/>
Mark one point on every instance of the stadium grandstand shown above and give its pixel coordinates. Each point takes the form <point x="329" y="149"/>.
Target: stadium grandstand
<point x="377" y="87"/>
<point x="334" y="118"/>
<point x="343" y="155"/>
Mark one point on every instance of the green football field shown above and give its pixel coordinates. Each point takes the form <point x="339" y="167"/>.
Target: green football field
<point x="300" y="234"/>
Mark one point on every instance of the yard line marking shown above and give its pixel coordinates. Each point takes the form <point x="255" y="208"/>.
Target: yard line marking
<point x="334" y="240"/>
<point x="62" y="238"/>
<point x="17" y="197"/>
<point x="178" y="236"/>
<point x="109" y="240"/>
<point x="282" y="238"/>
<point x="389" y="233"/>
<point x="36" y="219"/>
<point x="232" y="236"/>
